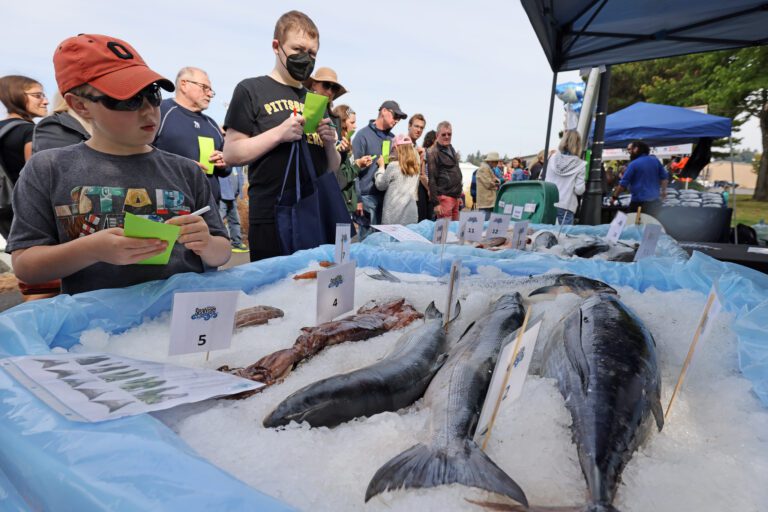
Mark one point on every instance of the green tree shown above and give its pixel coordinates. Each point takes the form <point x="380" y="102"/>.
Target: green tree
<point x="733" y="83"/>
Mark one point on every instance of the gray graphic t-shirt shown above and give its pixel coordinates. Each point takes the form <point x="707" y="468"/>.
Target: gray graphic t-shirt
<point x="66" y="193"/>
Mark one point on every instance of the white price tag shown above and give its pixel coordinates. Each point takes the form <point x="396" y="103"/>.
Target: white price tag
<point x="401" y="233"/>
<point x="335" y="291"/>
<point x="517" y="212"/>
<point x="202" y="321"/>
<point x="343" y="243"/>
<point x="508" y="209"/>
<point x="472" y="223"/>
<point x="530" y="207"/>
<point x="497" y="226"/>
<point x="647" y="249"/>
<point x="502" y="204"/>
<point x="508" y="378"/>
<point x="520" y="235"/>
<point x="617" y="227"/>
<point x="453" y="289"/>
<point x="440" y="235"/>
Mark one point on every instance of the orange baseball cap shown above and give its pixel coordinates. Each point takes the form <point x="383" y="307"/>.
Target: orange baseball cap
<point x="107" y="63"/>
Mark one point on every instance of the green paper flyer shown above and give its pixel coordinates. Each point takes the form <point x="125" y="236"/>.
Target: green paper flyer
<point x="314" y="110"/>
<point x="139" y="227"/>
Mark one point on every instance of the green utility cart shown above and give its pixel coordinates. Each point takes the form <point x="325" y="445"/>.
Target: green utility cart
<point x="536" y="199"/>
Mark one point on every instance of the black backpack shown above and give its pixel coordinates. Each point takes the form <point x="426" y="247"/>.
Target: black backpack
<point x="6" y="185"/>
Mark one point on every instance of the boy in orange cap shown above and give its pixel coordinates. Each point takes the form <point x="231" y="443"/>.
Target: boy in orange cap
<point x="72" y="201"/>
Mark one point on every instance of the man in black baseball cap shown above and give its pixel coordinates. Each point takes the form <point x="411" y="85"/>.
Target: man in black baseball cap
<point x="368" y="141"/>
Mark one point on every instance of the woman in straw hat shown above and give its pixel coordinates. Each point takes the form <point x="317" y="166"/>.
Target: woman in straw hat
<point x="488" y="183"/>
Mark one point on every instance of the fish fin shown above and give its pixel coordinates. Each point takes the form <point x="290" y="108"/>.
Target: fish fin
<point x="658" y="413"/>
<point x="550" y="292"/>
<point x="424" y="466"/>
<point x="432" y="312"/>
<point x="575" y="352"/>
<point x="439" y="362"/>
<point x="389" y="275"/>
<point x="514" y="507"/>
<point x="278" y="419"/>
<point x="471" y="325"/>
<point x="457" y="312"/>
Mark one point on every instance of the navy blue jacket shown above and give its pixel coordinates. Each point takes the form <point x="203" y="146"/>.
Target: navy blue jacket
<point x="368" y="141"/>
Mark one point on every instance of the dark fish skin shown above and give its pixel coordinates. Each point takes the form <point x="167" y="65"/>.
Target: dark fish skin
<point x="455" y="398"/>
<point x="388" y="385"/>
<point x="604" y="361"/>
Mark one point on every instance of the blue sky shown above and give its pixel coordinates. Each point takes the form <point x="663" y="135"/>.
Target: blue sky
<point x="477" y="64"/>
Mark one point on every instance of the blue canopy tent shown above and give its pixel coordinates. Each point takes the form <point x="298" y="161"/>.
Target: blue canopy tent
<point x="659" y="125"/>
<point x="576" y="34"/>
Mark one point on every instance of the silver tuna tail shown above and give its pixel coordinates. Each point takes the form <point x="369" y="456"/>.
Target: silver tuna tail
<point x="423" y="466"/>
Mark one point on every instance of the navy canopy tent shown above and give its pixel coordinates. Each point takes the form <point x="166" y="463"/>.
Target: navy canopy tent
<point x="583" y="33"/>
<point x="662" y="125"/>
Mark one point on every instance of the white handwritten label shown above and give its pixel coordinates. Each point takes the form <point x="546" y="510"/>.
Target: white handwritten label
<point x="647" y="249"/>
<point x="401" y="233"/>
<point x="343" y="243"/>
<point x="502" y="204"/>
<point x="440" y="234"/>
<point x="453" y="289"/>
<point x="497" y="226"/>
<point x="335" y="291"/>
<point x="473" y="225"/>
<point x="202" y="321"/>
<point x="508" y="209"/>
<point x="519" y="235"/>
<point x="517" y="212"/>
<point x="617" y="227"/>
<point x="530" y="207"/>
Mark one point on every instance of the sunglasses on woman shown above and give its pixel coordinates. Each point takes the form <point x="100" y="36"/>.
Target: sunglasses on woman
<point x="331" y="86"/>
<point x="151" y="93"/>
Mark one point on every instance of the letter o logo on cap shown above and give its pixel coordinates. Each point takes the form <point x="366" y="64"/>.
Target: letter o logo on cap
<point x="121" y="51"/>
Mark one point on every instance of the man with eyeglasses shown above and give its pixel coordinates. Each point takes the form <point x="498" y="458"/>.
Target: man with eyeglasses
<point x="184" y="129"/>
<point x="445" y="184"/>
<point x="369" y="141"/>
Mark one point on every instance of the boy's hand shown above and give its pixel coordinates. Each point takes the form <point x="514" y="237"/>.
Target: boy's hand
<point x="327" y="132"/>
<point x="291" y="129"/>
<point x="194" y="233"/>
<point x="114" y="247"/>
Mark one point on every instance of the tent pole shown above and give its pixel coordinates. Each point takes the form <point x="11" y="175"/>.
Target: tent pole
<point x="549" y="124"/>
<point x="733" y="193"/>
<point x="592" y="204"/>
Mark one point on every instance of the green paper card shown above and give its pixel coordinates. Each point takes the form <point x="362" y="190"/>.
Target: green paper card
<point x="207" y="147"/>
<point x="314" y="109"/>
<point x="350" y="134"/>
<point x="139" y="227"/>
<point x="385" y="151"/>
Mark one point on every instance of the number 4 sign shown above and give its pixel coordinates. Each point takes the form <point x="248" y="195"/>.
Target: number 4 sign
<point x="335" y="291"/>
<point x="202" y="321"/>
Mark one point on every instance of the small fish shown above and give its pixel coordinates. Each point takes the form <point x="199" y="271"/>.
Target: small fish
<point x="312" y="274"/>
<point x="256" y="315"/>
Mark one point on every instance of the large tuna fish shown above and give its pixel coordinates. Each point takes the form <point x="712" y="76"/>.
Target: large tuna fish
<point x="455" y="397"/>
<point x="604" y="361"/>
<point x="388" y="385"/>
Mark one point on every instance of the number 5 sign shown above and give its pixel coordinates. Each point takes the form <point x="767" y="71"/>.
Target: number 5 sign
<point x="335" y="291"/>
<point x="202" y="321"/>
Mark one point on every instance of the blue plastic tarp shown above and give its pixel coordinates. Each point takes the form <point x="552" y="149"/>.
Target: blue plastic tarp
<point x="659" y="125"/>
<point x="666" y="248"/>
<point x="137" y="463"/>
<point x="575" y="34"/>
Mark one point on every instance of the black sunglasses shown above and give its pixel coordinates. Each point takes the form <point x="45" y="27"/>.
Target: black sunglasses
<point x="333" y="87"/>
<point x="151" y="93"/>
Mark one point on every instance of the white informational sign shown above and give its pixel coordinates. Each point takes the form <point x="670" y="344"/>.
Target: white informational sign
<point x="519" y="235"/>
<point x="647" y="249"/>
<point x="502" y="204"/>
<point x="758" y="250"/>
<point x="98" y="387"/>
<point x="508" y="209"/>
<point x="202" y="321"/>
<point x="660" y="151"/>
<point x="617" y="227"/>
<point x="508" y="378"/>
<point x="453" y="290"/>
<point x="530" y="207"/>
<point x="472" y="222"/>
<point x="343" y="243"/>
<point x="517" y="212"/>
<point x="497" y="226"/>
<point x="400" y="233"/>
<point x="712" y="308"/>
<point x="440" y="234"/>
<point x="335" y="291"/>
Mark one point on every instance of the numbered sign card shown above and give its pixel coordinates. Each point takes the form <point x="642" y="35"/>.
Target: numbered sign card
<point x="617" y="227"/>
<point x="497" y="226"/>
<point x="440" y="235"/>
<point x="202" y="321"/>
<point x="471" y="226"/>
<point x="651" y="234"/>
<point x="335" y="291"/>
<point x="343" y="243"/>
<point x="520" y="235"/>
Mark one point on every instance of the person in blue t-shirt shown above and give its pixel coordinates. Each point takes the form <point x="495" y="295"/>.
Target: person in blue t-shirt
<point x="645" y="178"/>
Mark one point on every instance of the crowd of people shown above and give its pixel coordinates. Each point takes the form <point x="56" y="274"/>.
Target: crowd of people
<point x="113" y="146"/>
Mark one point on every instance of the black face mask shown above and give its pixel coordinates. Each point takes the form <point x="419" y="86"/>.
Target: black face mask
<point x="299" y="65"/>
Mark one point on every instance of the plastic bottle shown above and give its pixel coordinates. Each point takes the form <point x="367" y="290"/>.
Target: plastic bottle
<point x="761" y="228"/>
